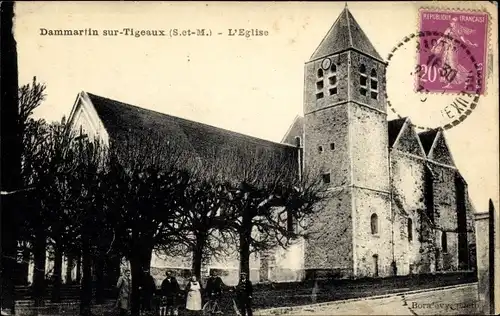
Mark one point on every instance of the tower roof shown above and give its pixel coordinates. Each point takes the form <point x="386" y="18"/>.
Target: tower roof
<point x="345" y="34"/>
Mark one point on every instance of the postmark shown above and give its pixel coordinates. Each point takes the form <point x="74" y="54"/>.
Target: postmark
<point x="443" y="85"/>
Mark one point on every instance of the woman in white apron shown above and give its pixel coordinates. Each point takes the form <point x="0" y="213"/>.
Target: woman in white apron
<point x="193" y="302"/>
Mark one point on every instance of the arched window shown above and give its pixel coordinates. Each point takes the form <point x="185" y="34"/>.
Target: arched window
<point x="320" y="85"/>
<point x="320" y="73"/>
<point x="363" y="80"/>
<point x="374" y="224"/>
<point x="410" y="229"/>
<point x="444" y="242"/>
<point x="373" y="84"/>
<point x="332" y="80"/>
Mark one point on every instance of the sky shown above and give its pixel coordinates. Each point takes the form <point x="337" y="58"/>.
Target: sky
<point x="252" y="85"/>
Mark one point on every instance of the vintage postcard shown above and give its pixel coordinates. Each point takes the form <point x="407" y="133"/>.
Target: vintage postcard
<point x="250" y="158"/>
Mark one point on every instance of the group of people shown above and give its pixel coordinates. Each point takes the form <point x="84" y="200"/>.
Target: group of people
<point x="171" y="294"/>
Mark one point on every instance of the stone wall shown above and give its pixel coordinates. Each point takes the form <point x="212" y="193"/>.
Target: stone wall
<point x="283" y="264"/>
<point x="483" y="261"/>
<point x="288" y="264"/>
<point x="366" y="244"/>
<point x="312" y="102"/>
<point x="407" y="183"/>
<point x="228" y="266"/>
<point x="369" y="148"/>
<point x="329" y="244"/>
<point x="322" y="129"/>
<point x="445" y="215"/>
<point x="356" y="59"/>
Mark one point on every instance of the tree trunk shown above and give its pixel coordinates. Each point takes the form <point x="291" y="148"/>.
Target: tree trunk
<point x="99" y="272"/>
<point x="11" y="143"/>
<point x="86" y="287"/>
<point x="56" y="276"/>
<point x="198" y="256"/>
<point x="69" y="269"/>
<point x="112" y="270"/>
<point x="79" y="269"/>
<point x="136" y="272"/>
<point x="8" y="258"/>
<point x="245" y="239"/>
<point x="139" y="260"/>
<point x="39" y="258"/>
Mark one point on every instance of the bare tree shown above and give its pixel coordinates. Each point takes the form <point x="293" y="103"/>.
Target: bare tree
<point x="207" y="228"/>
<point x="64" y="173"/>
<point x="34" y="161"/>
<point x="267" y="198"/>
<point x="146" y="180"/>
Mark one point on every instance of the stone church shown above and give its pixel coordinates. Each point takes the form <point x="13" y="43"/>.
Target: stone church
<point x="397" y="202"/>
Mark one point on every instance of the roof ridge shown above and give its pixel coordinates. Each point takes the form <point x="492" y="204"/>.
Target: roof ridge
<point x="324" y="37"/>
<point x="172" y="117"/>
<point x="377" y="55"/>
<point x="346" y="11"/>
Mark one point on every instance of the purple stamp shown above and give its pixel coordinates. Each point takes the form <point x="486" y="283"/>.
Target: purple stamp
<point x="452" y="48"/>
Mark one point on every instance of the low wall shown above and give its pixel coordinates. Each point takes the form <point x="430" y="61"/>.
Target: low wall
<point x="323" y="290"/>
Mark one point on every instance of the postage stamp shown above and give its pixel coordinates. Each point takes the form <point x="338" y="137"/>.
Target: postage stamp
<point x="449" y="62"/>
<point x="447" y="76"/>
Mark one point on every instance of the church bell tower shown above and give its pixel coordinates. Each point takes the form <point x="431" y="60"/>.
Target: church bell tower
<point x="346" y="144"/>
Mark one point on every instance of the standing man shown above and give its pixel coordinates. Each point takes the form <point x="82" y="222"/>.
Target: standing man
<point x="170" y="290"/>
<point x="214" y="287"/>
<point x="244" y="293"/>
<point x="147" y="289"/>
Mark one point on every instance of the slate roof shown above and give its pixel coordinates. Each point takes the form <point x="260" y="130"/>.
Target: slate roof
<point x="121" y="119"/>
<point x="393" y="128"/>
<point x="427" y="139"/>
<point x="345" y="34"/>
